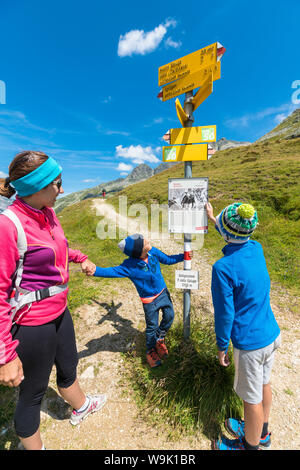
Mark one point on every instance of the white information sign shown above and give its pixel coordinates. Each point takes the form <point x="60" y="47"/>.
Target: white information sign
<point x="186" y="201"/>
<point x="186" y="279"/>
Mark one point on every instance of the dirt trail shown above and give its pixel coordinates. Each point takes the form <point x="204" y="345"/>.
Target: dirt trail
<point x="106" y="329"/>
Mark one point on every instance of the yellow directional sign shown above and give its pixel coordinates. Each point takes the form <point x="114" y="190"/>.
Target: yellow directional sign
<point x="181" y="114"/>
<point x="203" y="92"/>
<point x="185" y="153"/>
<point x="188" y="64"/>
<point x="194" y="80"/>
<point x="193" y="135"/>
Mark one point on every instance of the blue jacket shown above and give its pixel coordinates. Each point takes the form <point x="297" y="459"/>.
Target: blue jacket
<point x="241" y="298"/>
<point x="146" y="277"/>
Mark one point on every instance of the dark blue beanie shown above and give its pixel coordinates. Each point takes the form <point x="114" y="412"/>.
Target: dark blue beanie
<point x="132" y="245"/>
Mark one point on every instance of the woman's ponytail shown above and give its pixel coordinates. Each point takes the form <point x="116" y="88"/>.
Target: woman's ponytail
<point x="6" y="190"/>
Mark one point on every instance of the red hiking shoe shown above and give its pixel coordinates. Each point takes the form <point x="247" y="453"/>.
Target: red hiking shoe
<point x="161" y="348"/>
<point x="152" y="358"/>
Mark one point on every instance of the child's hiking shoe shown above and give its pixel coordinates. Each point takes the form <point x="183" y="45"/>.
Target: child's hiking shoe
<point x="236" y="427"/>
<point x="228" y="444"/>
<point x="161" y="348"/>
<point x="96" y="402"/>
<point x="153" y="358"/>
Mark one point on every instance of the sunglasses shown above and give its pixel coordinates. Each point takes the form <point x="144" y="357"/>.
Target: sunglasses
<point x="58" y="183"/>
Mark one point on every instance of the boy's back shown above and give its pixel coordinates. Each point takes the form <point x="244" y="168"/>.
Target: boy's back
<point x="241" y="277"/>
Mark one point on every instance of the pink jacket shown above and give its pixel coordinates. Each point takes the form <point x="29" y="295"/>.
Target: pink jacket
<point x="46" y="264"/>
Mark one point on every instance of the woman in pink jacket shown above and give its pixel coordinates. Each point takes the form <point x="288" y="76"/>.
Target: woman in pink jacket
<point x="40" y="333"/>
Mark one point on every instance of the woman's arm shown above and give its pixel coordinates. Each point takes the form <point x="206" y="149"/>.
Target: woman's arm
<point x="8" y="262"/>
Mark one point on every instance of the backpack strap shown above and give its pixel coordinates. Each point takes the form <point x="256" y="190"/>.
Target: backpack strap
<point x="24" y="297"/>
<point x="22" y="244"/>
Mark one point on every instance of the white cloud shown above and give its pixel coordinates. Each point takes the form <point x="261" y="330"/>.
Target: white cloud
<point x="137" y="154"/>
<point x="124" y="167"/>
<point x="106" y="100"/>
<point x="137" y="41"/>
<point x="280" y="117"/>
<point x="169" y="42"/>
<point x="89" y="181"/>
<point x="3" y="175"/>
<point x="280" y="111"/>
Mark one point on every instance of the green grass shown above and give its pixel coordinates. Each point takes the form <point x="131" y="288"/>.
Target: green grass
<point x="190" y="391"/>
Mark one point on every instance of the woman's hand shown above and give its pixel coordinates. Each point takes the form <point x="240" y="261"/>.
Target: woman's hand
<point x="88" y="267"/>
<point x="11" y="374"/>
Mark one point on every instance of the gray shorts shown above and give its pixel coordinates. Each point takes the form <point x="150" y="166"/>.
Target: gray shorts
<point x="253" y="370"/>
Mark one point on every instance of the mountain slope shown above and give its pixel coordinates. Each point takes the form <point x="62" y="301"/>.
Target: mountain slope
<point x="289" y="128"/>
<point x="139" y="173"/>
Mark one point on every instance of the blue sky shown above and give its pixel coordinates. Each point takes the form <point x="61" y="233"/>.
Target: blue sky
<point x="81" y="78"/>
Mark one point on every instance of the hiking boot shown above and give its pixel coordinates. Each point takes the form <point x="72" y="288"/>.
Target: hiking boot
<point x="96" y="402"/>
<point x="161" y="348"/>
<point x="228" y="444"/>
<point x="236" y="427"/>
<point x="152" y="358"/>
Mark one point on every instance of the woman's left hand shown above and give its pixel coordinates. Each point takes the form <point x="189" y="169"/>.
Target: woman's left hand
<point x="88" y="267"/>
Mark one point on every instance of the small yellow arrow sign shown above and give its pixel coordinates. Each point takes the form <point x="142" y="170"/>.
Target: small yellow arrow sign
<point x="192" y="81"/>
<point x="193" y="135"/>
<point x="181" y="114"/>
<point x="203" y="92"/>
<point x="185" y="153"/>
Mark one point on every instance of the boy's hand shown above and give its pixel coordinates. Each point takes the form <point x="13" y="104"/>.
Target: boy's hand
<point x="210" y="212"/>
<point x="88" y="267"/>
<point x="223" y="358"/>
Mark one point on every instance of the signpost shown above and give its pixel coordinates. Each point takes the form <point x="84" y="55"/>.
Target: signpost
<point x="191" y="81"/>
<point x="193" y="135"/>
<point x="186" y="279"/>
<point x="181" y="114"/>
<point x="190" y="63"/>
<point x="198" y="69"/>
<point x="185" y="153"/>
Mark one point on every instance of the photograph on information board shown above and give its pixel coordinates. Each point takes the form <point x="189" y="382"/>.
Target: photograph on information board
<point x="186" y="205"/>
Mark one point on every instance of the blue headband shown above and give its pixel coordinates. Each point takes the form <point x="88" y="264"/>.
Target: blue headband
<point x="38" y="178"/>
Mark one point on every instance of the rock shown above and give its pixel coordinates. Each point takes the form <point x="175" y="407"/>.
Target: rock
<point x="88" y="373"/>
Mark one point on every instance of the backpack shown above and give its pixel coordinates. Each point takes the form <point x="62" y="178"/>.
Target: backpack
<point x="19" y="296"/>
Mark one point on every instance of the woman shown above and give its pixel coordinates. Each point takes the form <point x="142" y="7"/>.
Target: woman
<point x="41" y="333"/>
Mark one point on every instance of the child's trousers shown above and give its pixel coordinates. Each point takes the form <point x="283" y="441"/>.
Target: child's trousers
<point x="153" y="329"/>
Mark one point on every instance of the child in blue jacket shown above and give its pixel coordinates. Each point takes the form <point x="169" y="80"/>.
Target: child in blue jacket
<point x="243" y="314"/>
<point x="143" y="269"/>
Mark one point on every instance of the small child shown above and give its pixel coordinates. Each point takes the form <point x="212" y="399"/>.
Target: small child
<point x="143" y="269"/>
<point x="241" y="298"/>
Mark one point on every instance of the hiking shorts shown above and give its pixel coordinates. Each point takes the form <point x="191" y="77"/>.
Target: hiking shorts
<point x="253" y="370"/>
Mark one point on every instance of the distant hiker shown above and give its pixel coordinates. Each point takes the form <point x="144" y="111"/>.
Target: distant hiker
<point x="241" y="299"/>
<point x="103" y="193"/>
<point x="143" y="269"/>
<point x="36" y="328"/>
